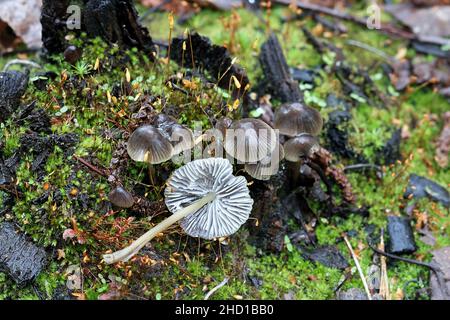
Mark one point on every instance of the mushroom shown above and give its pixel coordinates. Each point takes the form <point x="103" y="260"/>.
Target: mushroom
<point x="157" y="143"/>
<point x="300" y="147"/>
<point x="121" y="198"/>
<point x="268" y="166"/>
<point x="147" y="144"/>
<point x="297" y="150"/>
<point x="250" y="140"/>
<point x="295" y="118"/>
<point x="208" y="199"/>
<point x="180" y="137"/>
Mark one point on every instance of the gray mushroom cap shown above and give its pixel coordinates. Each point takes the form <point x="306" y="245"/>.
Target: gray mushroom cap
<point x="221" y="217"/>
<point x="179" y="136"/>
<point x="250" y="140"/>
<point x="299" y="147"/>
<point x="121" y="197"/>
<point x="295" y="118"/>
<point x="267" y="167"/>
<point x="147" y="144"/>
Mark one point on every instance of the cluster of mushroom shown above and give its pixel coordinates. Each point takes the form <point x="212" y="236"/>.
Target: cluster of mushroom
<point x="263" y="152"/>
<point x="302" y="124"/>
<point x="204" y="194"/>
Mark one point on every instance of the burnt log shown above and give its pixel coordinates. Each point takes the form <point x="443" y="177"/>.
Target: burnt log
<point x="12" y="87"/>
<point x="200" y="53"/>
<point x="115" y="21"/>
<point x="19" y="257"/>
<point x="278" y="78"/>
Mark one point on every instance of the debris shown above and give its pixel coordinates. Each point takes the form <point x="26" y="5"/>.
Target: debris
<point x="441" y="258"/>
<point x="277" y="76"/>
<point x="431" y="21"/>
<point x="420" y="187"/>
<point x="358" y="266"/>
<point x="352" y="294"/>
<point x="115" y="21"/>
<point x="220" y="285"/>
<point x="390" y="153"/>
<point x="197" y="51"/>
<point x="19" y="257"/>
<point x="12" y="86"/>
<point x="401" y="238"/>
<point x="329" y="256"/>
<point x="23" y="18"/>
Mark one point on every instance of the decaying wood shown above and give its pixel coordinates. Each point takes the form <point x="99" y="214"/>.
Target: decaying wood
<point x="116" y="21"/>
<point x="276" y="71"/>
<point x="385" y="28"/>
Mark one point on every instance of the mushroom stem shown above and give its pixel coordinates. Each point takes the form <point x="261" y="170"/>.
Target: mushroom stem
<point x="294" y="173"/>
<point x="151" y="174"/>
<point x="126" y="253"/>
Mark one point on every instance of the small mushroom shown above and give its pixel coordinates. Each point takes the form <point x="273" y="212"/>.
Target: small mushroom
<point x="147" y="144"/>
<point x="208" y="199"/>
<point x="300" y="147"/>
<point x="180" y="137"/>
<point x="250" y="140"/>
<point x="121" y="197"/>
<point x="296" y="150"/>
<point x="293" y="119"/>
<point x="267" y="167"/>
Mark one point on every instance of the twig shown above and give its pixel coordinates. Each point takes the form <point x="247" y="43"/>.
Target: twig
<point x="384" y="285"/>
<point x="361" y="274"/>
<point x="436" y="270"/>
<point x="90" y="166"/>
<point x="385" y="28"/>
<point x="363" y="166"/>
<point x="220" y="285"/>
<point x="24" y="62"/>
<point x="376" y="51"/>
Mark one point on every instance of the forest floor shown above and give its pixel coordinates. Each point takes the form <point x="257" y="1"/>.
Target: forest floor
<point x="63" y="206"/>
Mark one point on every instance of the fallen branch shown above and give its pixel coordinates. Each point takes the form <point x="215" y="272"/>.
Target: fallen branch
<point x="385" y="28"/>
<point x="430" y="266"/>
<point x="91" y="167"/>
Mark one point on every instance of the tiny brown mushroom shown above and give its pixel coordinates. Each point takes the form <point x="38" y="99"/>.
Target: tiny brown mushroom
<point x="293" y="119"/>
<point x="121" y="197"/>
<point x="250" y="140"/>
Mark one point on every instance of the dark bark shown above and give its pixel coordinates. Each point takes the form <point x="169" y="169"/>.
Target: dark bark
<point x="19" y="257"/>
<point x="116" y="21"/>
<point x="216" y="60"/>
<point x="12" y="86"/>
<point x="276" y="72"/>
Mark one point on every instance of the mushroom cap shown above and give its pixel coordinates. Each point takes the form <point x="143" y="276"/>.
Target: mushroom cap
<point x="147" y="144"/>
<point x="121" y="197"/>
<point x="221" y="217"/>
<point x="300" y="146"/>
<point x="223" y="124"/>
<point x="250" y="140"/>
<point x="295" y="118"/>
<point x="179" y="136"/>
<point x="267" y="167"/>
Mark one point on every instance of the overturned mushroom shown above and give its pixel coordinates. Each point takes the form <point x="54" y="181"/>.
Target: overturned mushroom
<point x="121" y="198"/>
<point x="250" y="140"/>
<point x="293" y="119"/>
<point x="208" y="199"/>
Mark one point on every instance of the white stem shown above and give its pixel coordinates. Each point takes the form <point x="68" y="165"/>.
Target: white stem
<point x="126" y="253"/>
